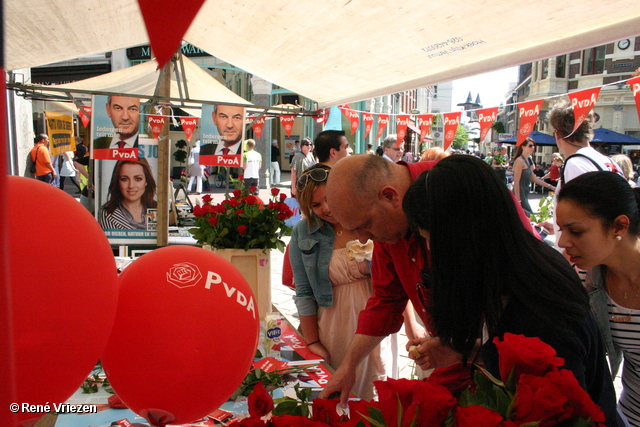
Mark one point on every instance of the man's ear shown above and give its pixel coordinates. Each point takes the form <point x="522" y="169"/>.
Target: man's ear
<point x="389" y="194"/>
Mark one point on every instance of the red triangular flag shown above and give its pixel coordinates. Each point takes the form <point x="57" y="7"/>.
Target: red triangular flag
<point x="287" y="123"/>
<point x="402" y="122"/>
<point x="528" y="114"/>
<point x="582" y="103"/>
<point x="486" y="117"/>
<point x="424" y="122"/>
<point x="167" y="21"/>
<point x="367" y="118"/>
<point x="451" y="122"/>
<point x="188" y="126"/>
<point x="257" y="126"/>
<point x="85" y="115"/>
<point x="383" y="121"/>
<point x="156" y="123"/>
<point x="635" y="88"/>
<point x="354" y="119"/>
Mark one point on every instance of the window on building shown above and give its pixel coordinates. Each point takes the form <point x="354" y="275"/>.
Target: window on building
<point x="435" y="91"/>
<point x="593" y="60"/>
<point x="545" y="69"/>
<point x="561" y="66"/>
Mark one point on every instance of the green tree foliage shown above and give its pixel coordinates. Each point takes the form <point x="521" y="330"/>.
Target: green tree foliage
<point x="461" y="139"/>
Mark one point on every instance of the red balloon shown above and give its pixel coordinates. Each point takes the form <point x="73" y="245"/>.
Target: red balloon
<point x="185" y="334"/>
<point x="64" y="292"/>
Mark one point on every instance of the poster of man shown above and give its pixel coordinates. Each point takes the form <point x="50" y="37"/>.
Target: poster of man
<point x="126" y="196"/>
<point x="222" y="136"/>
<point x="116" y="127"/>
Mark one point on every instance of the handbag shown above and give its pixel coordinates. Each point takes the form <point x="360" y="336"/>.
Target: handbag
<point x="31" y="164"/>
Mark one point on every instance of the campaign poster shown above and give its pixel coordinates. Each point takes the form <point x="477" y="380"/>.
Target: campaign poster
<point x="221" y="135"/>
<point x="60" y="131"/>
<point x="126" y="196"/>
<point x="116" y="127"/>
<point x="290" y="145"/>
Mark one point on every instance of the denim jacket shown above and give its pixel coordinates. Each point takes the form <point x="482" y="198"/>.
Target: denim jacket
<point x="599" y="302"/>
<point x="310" y="252"/>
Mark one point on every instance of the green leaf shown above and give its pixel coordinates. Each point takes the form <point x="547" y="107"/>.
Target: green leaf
<point x="286" y="407"/>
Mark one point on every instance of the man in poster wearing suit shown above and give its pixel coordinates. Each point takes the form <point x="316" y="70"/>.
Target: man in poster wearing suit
<point x="124" y="112"/>
<point x="229" y="120"/>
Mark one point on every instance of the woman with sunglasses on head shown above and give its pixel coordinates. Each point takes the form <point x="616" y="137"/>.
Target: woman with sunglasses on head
<point x="597" y="215"/>
<point x="333" y="282"/>
<point x="523" y="174"/>
<point x="487" y="280"/>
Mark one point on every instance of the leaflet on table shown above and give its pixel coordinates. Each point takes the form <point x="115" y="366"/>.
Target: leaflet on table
<point x="294" y="349"/>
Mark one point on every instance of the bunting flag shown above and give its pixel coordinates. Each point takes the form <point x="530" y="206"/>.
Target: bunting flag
<point x="188" y="126"/>
<point x="354" y="119"/>
<point x="322" y="116"/>
<point x="156" y="123"/>
<point x="287" y="122"/>
<point x="425" y="121"/>
<point x="528" y="114"/>
<point x="486" y="117"/>
<point x="85" y="115"/>
<point x="582" y="103"/>
<point x="166" y="30"/>
<point x="401" y="124"/>
<point x="635" y="88"/>
<point x="257" y="127"/>
<point x="367" y="118"/>
<point x="451" y="122"/>
<point x="383" y="121"/>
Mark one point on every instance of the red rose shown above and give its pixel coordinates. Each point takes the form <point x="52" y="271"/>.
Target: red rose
<point x="251" y="200"/>
<point x="358" y="408"/>
<point x="239" y="212"/>
<point x="295" y="421"/>
<point x="540" y="399"/>
<point x="527" y="355"/>
<point x="242" y="229"/>
<point x="253" y="189"/>
<point x="252" y="422"/>
<point x="324" y="410"/>
<point x="283" y="197"/>
<point x="207" y="198"/>
<point x="282" y="216"/>
<point x="241" y="177"/>
<point x="478" y="416"/>
<point x="213" y="221"/>
<point x="455" y="378"/>
<point x="284" y="208"/>
<point x="430" y="405"/>
<point x="234" y="203"/>
<point x="260" y="402"/>
<point x="197" y="210"/>
<point x="237" y="193"/>
<point x="579" y="400"/>
<point x="275" y="191"/>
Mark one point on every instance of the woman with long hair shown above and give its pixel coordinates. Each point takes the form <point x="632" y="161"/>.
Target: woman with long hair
<point x="332" y="274"/>
<point x="132" y="191"/>
<point x="523" y="174"/>
<point x="597" y="213"/>
<point x="490" y="275"/>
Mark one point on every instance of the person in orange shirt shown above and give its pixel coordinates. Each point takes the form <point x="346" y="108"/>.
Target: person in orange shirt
<point x="40" y="156"/>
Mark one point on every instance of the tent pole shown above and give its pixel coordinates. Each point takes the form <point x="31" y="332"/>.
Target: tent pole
<point x="163" y="90"/>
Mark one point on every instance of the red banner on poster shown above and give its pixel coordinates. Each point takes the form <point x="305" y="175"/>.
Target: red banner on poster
<point x="582" y="103"/>
<point x="287" y="122"/>
<point x="486" y="117"/>
<point x="635" y="88"/>
<point x="166" y="30"/>
<point x="402" y="123"/>
<point x="383" y="121"/>
<point x="451" y="122"/>
<point x="424" y="122"/>
<point x="189" y="125"/>
<point x="528" y="114"/>
<point x="367" y="118"/>
<point x="85" y="115"/>
<point x="257" y="126"/>
<point x="156" y="123"/>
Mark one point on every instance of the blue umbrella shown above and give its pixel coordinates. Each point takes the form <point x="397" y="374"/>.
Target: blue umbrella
<point x="539" y="137"/>
<point x="607" y="136"/>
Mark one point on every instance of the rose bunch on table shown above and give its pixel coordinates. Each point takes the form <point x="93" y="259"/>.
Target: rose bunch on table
<point x="242" y="221"/>
<point x="535" y="392"/>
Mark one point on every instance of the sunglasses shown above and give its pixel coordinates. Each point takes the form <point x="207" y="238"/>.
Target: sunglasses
<point x="318" y="175"/>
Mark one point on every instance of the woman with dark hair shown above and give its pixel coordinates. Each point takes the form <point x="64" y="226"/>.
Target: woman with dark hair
<point x="131" y="192"/>
<point x="333" y="282"/>
<point x="598" y="217"/>
<point x="489" y="275"/>
<point x="523" y="174"/>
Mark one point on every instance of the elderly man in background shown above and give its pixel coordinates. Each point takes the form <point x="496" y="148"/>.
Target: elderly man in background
<point x="390" y="151"/>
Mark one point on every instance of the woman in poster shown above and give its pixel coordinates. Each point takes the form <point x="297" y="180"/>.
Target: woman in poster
<point x="132" y="191"/>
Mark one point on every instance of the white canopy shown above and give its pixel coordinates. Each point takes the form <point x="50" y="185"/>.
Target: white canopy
<point x="333" y="51"/>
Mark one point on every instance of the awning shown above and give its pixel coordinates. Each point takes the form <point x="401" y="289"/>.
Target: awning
<point x="333" y="51"/>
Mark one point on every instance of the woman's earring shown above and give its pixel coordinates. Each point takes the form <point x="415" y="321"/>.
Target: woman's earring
<point x="618" y="238"/>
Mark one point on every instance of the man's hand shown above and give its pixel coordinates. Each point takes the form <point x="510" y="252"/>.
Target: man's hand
<point x="341" y="382"/>
<point x="429" y="353"/>
<point x="320" y="350"/>
<point x="548" y="226"/>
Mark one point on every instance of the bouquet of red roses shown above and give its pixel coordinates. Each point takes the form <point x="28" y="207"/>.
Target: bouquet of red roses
<point x="242" y="221"/>
<point x="535" y="392"/>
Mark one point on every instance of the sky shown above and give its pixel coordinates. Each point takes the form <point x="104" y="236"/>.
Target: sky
<point x="492" y="86"/>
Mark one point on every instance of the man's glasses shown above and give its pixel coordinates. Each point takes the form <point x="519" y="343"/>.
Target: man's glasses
<point x="318" y="175"/>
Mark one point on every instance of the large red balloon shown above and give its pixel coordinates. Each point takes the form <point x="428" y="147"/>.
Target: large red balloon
<point x="64" y="292"/>
<point x="185" y="334"/>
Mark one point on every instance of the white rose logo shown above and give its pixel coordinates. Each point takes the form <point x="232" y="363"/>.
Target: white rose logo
<point x="184" y="275"/>
<point x="527" y="128"/>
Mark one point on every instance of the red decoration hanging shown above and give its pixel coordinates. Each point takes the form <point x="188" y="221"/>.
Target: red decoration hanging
<point x="582" y="103"/>
<point x="156" y="123"/>
<point x="528" y="114"/>
<point x="188" y="126"/>
<point x="257" y="127"/>
<point x="85" y="115"/>
<point x="383" y="121"/>
<point x="451" y="122"/>
<point x="287" y="122"/>
<point x="635" y="88"/>
<point x="401" y="124"/>
<point x="425" y="121"/>
<point x="486" y="117"/>
<point x="367" y="118"/>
